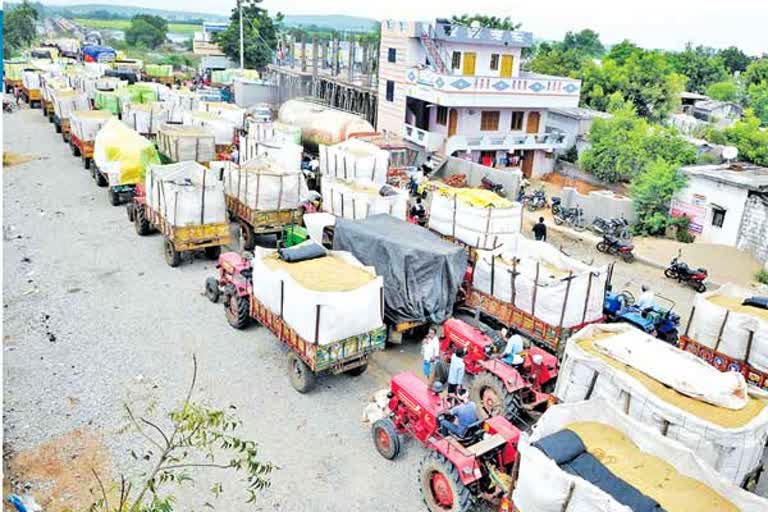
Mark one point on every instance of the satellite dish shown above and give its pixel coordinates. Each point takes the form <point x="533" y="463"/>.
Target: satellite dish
<point x="730" y="152"/>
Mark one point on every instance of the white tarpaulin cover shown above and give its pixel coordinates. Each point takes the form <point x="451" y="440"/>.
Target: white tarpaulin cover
<point x="181" y="143"/>
<point x="710" y="317"/>
<point x="186" y="194"/>
<point x="355" y="160"/>
<point x="274" y="131"/>
<point x="683" y="372"/>
<point x="542" y="486"/>
<point x="262" y="184"/>
<point x="223" y="130"/>
<point x="341" y="313"/>
<point x="31" y="79"/>
<point x="185" y="99"/>
<point x="731" y="441"/>
<point x="316" y="222"/>
<point x="482" y="227"/>
<point x="228" y="111"/>
<point x="145" y="118"/>
<point x="358" y="200"/>
<point x="85" y="124"/>
<point x="286" y="154"/>
<point x="65" y="101"/>
<point x="552" y="291"/>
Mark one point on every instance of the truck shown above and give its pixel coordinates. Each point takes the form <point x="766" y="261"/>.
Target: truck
<point x="302" y="319"/>
<point x="184" y="204"/>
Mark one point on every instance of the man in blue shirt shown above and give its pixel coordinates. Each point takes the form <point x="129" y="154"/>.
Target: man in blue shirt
<point x="464" y="415"/>
<point x="456" y="371"/>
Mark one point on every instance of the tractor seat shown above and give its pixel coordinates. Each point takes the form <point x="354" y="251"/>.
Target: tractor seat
<point x="472" y="434"/>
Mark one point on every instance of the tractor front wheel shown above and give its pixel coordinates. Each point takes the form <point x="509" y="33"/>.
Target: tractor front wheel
<point x="213" y="252"/>
<point x="248" y="236"/>
<point x="114" y="197"/>
<point x="441" y="487"/>
<point x="301" y="376"/>
<point x="489" y="392"/>
<point x="212" y="289"/>
<point x="385" y="438"/>
<point x="236" y="310"/>
<point x="140" y="221"/>
<point x="172" y="256"/>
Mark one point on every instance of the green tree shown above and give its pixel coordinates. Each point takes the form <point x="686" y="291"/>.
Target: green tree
<point x="651" y="192"/>
<point x="734" y="59"/>
<point x="487" y="21"/>
<point x="701" y="65"/>
<point x="551" y="59"/>
<point x="756" y="72"/>
<point x="19" y="28"/>
<point x="147" y="31"/>
<point x="757" y="99"/>
<point x="651" y="84"/>
<point x="586" y="42"/>
<point x="746" y="135"/>
<point x="727" y="90"/>
<point x="619" y="53"/>
<point x="259" y="35"/>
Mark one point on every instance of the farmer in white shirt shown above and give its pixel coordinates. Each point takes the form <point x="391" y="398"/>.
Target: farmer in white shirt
<point x="647" y="299"/>
<point x="430" y="351"/>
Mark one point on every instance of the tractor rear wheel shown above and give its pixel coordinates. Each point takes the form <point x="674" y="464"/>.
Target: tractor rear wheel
<point x="441" y="487"/>
<point x="172" y="256"/>
<point x="213" y="252"/>
<point x="236" y="311"/>
<point x="492" y="397"/>
<point x="140" y="221"/>
<point x="385" y="438"/>
<point x="212" y="289"/>
<point x="301" y="376"/>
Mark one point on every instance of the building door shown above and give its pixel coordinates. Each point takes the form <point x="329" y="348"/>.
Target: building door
<point x="533" y="123"/>
<point x="528" y="163"/>
<point x="468" y="68"/>
<point x="453" y="121"/>
<point x="506" y="66"/>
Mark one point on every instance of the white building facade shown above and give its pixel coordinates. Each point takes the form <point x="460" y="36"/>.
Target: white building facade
<point x="459" y="91"/>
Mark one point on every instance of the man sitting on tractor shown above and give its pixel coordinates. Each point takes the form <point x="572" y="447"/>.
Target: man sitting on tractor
<point x="511" y="352"/>
<point x="464" y="415"/>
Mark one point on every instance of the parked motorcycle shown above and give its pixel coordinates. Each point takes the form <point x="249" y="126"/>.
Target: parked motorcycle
<point x="617" y="247"/>
<point x="536" y="200"/>
<point x="556" y="205"/>
<point x="489" y="184"/>
<point x="684" y="274"/>
<point x="618" y="227"/>
<point x="573" y="217"/>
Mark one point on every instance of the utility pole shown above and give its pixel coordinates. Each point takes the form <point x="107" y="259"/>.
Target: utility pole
<point x="242" y="45"/>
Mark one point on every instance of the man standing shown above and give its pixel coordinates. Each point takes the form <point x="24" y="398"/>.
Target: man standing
<point x="456" y="371"/>
<point x="430" y="350"/>
<point x="540" y="230"/>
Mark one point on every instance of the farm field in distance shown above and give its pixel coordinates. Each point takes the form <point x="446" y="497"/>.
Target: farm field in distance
<point x="180" y="28"/>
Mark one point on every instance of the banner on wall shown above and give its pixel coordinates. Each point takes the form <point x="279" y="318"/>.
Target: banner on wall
<point x="696" y="214"/>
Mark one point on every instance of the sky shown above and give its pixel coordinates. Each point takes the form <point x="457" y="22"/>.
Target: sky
<point x="667" y="24"/>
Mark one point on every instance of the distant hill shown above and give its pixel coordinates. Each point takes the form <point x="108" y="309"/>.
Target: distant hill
<point x="127" y="11"/>
<point x="334" y="21"/>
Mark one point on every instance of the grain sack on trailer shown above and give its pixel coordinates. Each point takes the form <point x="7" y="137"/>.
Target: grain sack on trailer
<point x="122" y="154"/>
<point x="321" y="124"/>
<point x="358" y="200"/>
<point x="543" y="282"/>
<point x="183" y="100"/>
<point x="145" y="118"/>
<point x="31" y="80"/>
<point x="730" y="440"/>
<point x="274" y="131"/>
<point x="355" y="160"/>
<point x="186" y="194"/>
<point x="180" y="142"/>
<point x="223" y="130"/>
<point x="476" y="217"/>
<point x="278" y="145"/>
<point x="588" y="456"/>
<point x="65" y="101"/>
<point x="263" y="184"/>
<point x="85" y="124"/>
<point x="324" y="299"/>
<point x="228" y="111"/>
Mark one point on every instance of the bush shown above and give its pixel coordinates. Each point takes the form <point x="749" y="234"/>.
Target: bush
<point x="681" y="225"/>
<point x="651" y="192"/>
<point x="572" y="155"/>
<point x="762" y="276"/>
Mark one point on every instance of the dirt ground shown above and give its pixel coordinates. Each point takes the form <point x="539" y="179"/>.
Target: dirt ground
<point x="94" y="319"/>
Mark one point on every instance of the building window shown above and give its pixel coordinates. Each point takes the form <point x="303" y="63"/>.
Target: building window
<point x="456" y="60"/>
<point x="390" y="90"/>
<point x="489" y="121"/>
<point x="442" y="115"/>
<point x="718" y="217"/>
<point x="392" y="55"/>
<point x="494" y="62"/>
<point x="517" y="121"/>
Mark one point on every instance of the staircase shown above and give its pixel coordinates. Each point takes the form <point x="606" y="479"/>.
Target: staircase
<point x="434" y="54"/>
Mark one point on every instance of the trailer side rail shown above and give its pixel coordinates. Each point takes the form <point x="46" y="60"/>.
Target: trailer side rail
<point x="262" y="221"/>
<point x="725" y="363"/>
<point x="189" y="238"/>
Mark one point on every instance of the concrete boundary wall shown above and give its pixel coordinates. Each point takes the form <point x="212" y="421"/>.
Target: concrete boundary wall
<point x="475" y="172"/>
<point x="599" y="203"/>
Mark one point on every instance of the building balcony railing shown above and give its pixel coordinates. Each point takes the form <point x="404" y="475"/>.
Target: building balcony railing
<point x="531" y="85"/>
<point x="431" y="141"/>
<point x="545" y="141"/>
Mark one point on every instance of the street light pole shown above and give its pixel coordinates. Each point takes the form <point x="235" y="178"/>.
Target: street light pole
<point x="242" y="46"/>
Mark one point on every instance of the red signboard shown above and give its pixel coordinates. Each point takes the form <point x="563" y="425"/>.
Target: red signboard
<point x="696" y="214"/>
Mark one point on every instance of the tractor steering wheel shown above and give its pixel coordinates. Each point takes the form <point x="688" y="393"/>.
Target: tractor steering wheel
<point x="627" y="297"/>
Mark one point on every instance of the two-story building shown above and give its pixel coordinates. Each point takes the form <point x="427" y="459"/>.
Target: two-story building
<point x="459" y="91"/>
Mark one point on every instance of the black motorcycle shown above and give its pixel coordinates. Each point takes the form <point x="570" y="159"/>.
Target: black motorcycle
<point x="536" y="200"/>
<point x="573" y="217"/>
<point x="614" y="245"/>
<point x="556" y="205"/>
<point x="680" y="270"/>
<point x="618" y="227"/>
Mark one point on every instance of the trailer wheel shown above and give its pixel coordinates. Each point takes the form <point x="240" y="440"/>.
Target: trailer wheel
<point x="385" y="438"/>
<point x="249" y="237"/>
<point x="87" y="163"/>
<point x="489" y="392"/>
<point x="301" y="377"/>
<point x="75" y="149"/>
<point x="140" y="221"/>
<point x="172" y="256"/>
<point x="114" y="197"/>
<point x="212" y="289"/>
<point x="58" y="128"/>
<point x="236" y="310"/>
<point x="101" y="180"/>
<point x="213" y="252"/>
<point x="357" y="371"/>
<point x="441" y="487"/>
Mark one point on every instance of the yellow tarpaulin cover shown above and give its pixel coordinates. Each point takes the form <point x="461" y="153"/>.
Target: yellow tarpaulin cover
<point x="477" y="197"/>
<point x="124" y="151"/>
<point x="648" y="474"/>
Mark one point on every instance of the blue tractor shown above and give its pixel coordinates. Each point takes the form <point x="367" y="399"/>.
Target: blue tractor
<point x="659" y="321"/>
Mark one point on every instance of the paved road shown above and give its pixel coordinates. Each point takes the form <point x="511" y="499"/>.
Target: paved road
<point x="94" y="318"/>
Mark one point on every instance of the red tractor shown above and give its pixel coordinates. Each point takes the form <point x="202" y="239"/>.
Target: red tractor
<point x="457" y="472"/>
<point x="518" y="392"/>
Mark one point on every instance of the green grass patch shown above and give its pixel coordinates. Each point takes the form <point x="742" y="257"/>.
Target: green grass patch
<point x="178" y="28"/>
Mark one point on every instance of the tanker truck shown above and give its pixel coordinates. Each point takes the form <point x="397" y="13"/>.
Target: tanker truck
<point x="321" y="124"/>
